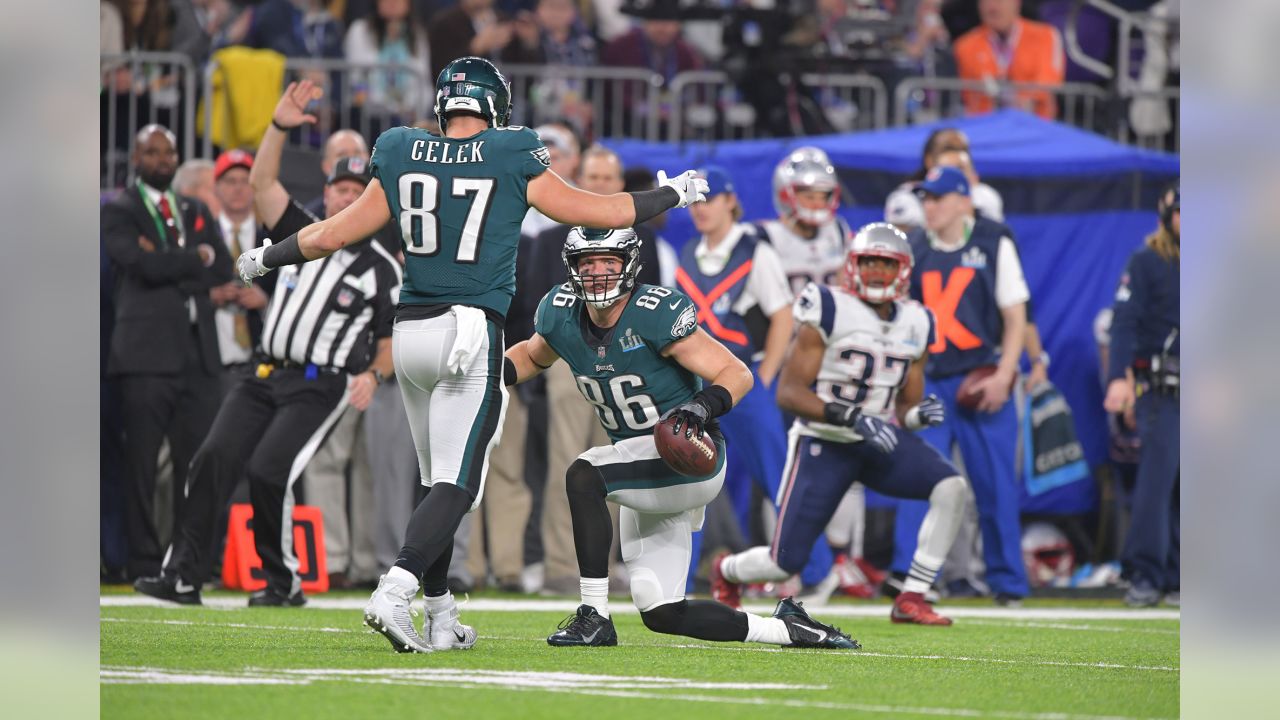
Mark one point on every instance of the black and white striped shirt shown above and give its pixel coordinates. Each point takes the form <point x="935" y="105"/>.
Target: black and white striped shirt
<point x="331" y="312"/>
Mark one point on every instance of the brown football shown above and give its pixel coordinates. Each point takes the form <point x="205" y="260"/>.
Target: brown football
<point x="690" y="456"/>
<point x="967" y="396"/>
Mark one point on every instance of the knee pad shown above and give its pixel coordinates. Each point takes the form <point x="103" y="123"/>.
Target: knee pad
<point x="646" y="588"/>
<point x="667" y="619"/>
<point x="583" y="477"/>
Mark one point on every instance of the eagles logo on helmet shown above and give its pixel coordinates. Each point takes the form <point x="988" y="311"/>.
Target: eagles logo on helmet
<point x="879" y="240"/>
<point x="806" y="168"/>
<point x="473" y="85"/>
<point x="583" y="242"/>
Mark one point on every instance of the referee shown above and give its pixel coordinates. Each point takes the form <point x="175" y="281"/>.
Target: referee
<point x="326" y="342"/>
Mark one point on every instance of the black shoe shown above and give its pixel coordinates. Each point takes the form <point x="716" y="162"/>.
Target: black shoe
<point x="170" y="588"/>
<point x="809" y="633"/>
<point x="1007" y="600"/>
<point x="585" y="628"/>
<point x="274" y="598"/>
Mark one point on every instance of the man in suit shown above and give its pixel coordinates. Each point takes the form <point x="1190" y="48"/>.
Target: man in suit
<point x="166" y="253"/>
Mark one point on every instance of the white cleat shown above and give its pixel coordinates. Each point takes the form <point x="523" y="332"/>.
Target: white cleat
<point x="391" y="613"/>
<point x="446" y="633"/>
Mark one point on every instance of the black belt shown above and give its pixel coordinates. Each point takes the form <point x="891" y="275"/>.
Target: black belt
<point x="266" y="366"/>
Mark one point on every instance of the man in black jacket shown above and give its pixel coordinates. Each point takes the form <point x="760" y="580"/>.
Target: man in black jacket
<point x="166" y="253"/>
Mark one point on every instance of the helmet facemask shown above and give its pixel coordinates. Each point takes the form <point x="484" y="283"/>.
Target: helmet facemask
<point x="602" y="290"/>
<point x="807" y="168"/>
<point x="879" y="283"/>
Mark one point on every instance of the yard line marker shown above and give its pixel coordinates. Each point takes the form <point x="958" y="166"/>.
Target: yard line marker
<point x="642" y="688"/>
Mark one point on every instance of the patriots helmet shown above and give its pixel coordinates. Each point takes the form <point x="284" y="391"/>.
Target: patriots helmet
<point x="474" y="85"/>
<point x="876" y="285"/>
<point x="601" y="291"/>
<point x="806" y="168"/>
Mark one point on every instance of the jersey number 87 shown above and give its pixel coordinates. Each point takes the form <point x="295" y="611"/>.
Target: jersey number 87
<point x="420" y="203"/>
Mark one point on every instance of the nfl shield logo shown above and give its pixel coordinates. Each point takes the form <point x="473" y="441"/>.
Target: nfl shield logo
<point x="600" y="352"/>
<point x="345" y="296"/>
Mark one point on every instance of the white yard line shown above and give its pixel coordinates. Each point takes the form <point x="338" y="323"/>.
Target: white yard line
<point x="642" y="688"/>
<point x="624" y="608"/>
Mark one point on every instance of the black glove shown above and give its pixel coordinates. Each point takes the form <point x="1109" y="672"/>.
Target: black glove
<point x="692" y="416"/>
<point x="838" y="413"/>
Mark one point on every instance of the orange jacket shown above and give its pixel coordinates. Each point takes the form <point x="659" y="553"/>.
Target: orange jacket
<point x="1037" y="58"/>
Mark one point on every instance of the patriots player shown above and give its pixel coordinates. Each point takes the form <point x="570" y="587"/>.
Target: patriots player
<point x="812" y="242"/>
<point x="458" y="200"/>
<point x="638" y="355"/>
<point x="855" y="366"/>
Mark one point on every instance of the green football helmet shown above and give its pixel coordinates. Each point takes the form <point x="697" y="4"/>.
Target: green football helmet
<point x="588" y="241"/>
<point x="474" y="85"/>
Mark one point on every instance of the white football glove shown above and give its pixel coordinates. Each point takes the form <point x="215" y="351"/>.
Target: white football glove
<point x="687" y="185"/>
<point x="249" y="264"/>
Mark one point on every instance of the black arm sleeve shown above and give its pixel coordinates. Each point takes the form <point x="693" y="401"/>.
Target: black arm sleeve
<point x="654" y="202"/>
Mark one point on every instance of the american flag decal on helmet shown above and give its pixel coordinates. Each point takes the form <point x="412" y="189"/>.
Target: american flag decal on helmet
<point x="457" y="76"/>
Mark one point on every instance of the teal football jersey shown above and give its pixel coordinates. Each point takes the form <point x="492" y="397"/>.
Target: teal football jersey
<point x="459" y="204"/>
<point x="624" y="375"/>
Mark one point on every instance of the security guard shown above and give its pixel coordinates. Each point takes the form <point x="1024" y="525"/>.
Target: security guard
<point x="1144" y="369"/>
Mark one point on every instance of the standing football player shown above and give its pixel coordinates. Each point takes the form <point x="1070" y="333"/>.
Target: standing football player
<point x="638" y="356"/>
<point x="855" y="365"/>
<point x="459" y="201"/>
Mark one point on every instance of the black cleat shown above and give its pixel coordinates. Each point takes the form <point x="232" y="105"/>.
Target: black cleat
<point x="806" y="632"/>
<point x="169" y="587"/>
<point x="585" y="628"/>
<point x="271" y="597"/>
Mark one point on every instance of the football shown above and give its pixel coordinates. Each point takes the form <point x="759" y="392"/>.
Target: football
<point x="967" y="396"/>
<point x="689" y="456"/>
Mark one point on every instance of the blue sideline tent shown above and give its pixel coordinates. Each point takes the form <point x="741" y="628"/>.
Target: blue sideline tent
<point x="1079" y="204"/>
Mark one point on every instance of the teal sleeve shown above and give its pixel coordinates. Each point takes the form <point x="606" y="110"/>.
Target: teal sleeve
<point x="385" y="150"/>
<point x="544" y="318"/>
<point x="530" y="156"/>
<point x="674" y="318"/>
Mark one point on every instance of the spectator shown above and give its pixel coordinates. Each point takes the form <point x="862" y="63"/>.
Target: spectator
<point x="1009" y="48"/>
<point x="566" y="154"/>
<point x="110" y="29"/>
<point x="195" y="179"/>
<point x="636" y="179"/>
<point x="392" y="35"/>
<point x="237" y="315"/>
<point x="970" y="276"/>
<point x="165" y="254"/>
<point x="340" y="144"/>
<point x="562" y="40"/>
<point x="474" y="27"/>
<point x="655" y="45"/>
<point x="950" y="147"/>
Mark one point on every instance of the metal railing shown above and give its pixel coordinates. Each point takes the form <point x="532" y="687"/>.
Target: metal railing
<point x="1152" y="120"/>
<point x="605" y="101"/>
<point x="920" y="100"/>
<point x="851" y="102"/>
<point x="356" y="96"/>
<point x="137" y="89"/>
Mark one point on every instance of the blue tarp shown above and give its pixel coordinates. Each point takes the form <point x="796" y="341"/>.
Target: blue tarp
<point x="1079" y="204"/>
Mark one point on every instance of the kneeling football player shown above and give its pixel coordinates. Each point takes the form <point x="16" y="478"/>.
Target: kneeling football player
<point x="857" y="360"/>
<point x="638" y="356"/>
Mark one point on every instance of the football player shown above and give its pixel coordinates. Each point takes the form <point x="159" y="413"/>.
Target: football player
<point x="458" y="200"/>
<point x="854" y="375"/>
<point x="811" y="240"/>
<point x="638" y="355"/>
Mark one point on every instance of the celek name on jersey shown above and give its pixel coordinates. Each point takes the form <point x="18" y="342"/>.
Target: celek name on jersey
<point x="445" y="153"/>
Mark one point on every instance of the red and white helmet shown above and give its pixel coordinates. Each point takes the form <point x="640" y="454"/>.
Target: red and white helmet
<point x="880" y="240"/>
<point x="1048" y="555"/>
<point x="805" y="168"/>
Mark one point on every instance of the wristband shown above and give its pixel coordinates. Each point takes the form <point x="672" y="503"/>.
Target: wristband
<point x="649" y="203"/>
<point x="278" y="126"/>
<point x="509" y="375"/>
<point x="715" y="399"/>
<point x="285" y="252"/>
<point x="838" y="413"/>
<point x="911" y="420"/>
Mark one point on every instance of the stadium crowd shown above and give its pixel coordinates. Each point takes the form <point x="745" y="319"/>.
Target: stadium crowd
<point x="158" y="404"/>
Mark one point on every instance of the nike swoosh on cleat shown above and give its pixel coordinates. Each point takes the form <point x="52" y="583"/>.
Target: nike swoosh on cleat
<point x="818" y="635"/>
<point x="462" y="637"/>
<point x="591" y="638"/>
<point x="181" y="587"/>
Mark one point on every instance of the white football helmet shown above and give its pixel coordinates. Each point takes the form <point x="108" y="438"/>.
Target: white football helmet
<point x="880" y="240"/>
<point x="588" y="241"/>
<point x="1048" y="555"/>
<point x="805" y="168"/>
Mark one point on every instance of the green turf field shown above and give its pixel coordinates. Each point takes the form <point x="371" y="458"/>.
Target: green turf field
<point x="1053" y="660"/>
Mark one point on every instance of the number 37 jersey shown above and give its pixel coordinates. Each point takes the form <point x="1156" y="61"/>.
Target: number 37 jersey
<point x="623" y="374"/>
<point x="458" y="203"/>
<point x="866" y="358"/>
